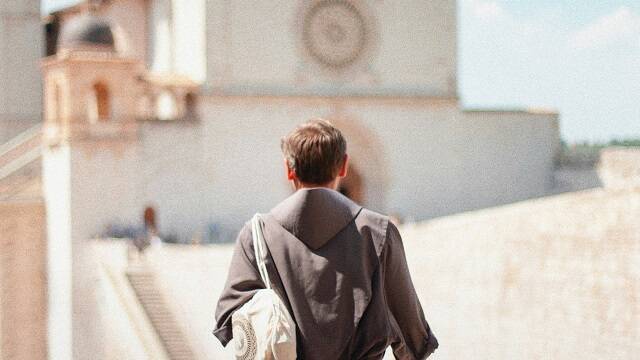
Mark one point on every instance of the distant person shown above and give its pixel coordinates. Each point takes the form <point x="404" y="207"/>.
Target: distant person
<point x="149" y="219"/>
<point x="151" y="227"/>
<point x="340" y="268"/>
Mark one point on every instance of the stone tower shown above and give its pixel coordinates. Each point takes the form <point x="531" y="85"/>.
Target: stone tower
<point x="21" y="47"/>
<point x="89" y="156"/>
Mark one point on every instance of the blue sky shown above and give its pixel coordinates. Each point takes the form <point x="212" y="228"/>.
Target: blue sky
<point x="579" y="57"/>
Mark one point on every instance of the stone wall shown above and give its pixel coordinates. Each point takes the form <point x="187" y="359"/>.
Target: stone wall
<point x="569" y="179"/>
<point x="418" y="158"/>
<point x="11" y="126"/>
<point x="554" y="278"/>
<point x="21" y="47"/>
<point x="23" y="303"/>
<point x="576" y="169"/>
<point x="620" y="167"/>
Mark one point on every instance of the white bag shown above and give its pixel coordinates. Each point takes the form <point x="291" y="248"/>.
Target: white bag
<point x="262" y="327"/>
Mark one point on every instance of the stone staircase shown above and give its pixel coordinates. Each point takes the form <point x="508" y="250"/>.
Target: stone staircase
<point x="20" y="169"/>
<point x="152" y="300"/>
<point x="26" y="142"/>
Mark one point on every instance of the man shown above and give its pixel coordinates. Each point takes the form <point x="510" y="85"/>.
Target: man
<point x="340" y="269"/>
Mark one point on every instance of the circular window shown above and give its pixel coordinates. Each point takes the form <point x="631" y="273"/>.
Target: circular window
<point x="335" y="33"/>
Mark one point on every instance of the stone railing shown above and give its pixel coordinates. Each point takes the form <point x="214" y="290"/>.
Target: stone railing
<point x="20" y="150"/>
<point x="126" y="308"/>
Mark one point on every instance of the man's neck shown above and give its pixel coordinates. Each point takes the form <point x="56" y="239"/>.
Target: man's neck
<point x="333" y="185"/>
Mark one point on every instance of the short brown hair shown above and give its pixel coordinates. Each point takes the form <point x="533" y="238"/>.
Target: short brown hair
<point x="315" y="151"/>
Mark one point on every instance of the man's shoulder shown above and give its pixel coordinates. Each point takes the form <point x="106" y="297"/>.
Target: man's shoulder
<point x="244" y="235"/>
<point x="373" y="217"/>
<point x="376" y="224"/>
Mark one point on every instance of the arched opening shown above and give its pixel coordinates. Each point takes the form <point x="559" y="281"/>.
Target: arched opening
<point x="352" y="185"/>
<point x="99" y="103"/>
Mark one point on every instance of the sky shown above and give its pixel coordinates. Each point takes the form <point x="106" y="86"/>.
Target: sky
<point x="578" y="57"/>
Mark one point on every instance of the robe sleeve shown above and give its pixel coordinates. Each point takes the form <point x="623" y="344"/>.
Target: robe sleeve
<point x="413" y="336"/>
<point x="243" y="281"/>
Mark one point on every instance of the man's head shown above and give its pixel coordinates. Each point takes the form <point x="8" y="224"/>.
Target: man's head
<point x="315" y="154"/>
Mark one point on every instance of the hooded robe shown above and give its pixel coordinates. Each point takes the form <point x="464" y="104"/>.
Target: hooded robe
<point x="341" y="271"/>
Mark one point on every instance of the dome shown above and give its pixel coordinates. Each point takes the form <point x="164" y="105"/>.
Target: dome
<point x="87" y="31"/>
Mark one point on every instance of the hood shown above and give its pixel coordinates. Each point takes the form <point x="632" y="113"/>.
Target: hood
<point x="315" y="215"/>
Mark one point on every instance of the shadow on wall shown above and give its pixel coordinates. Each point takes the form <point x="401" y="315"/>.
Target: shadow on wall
<point x="367" y="176"/>
<point x="576" y="169"/>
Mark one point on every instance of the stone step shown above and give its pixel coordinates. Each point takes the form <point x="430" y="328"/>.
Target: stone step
<point x="159" y="314"/>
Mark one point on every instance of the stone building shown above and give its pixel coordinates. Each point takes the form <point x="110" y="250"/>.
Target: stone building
<point x="173" y="110"/>
<point x="203" y="75"/>
<point x="21" y="47"/>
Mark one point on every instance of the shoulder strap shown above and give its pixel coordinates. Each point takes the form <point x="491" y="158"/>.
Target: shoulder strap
<point x="260" y="248"/>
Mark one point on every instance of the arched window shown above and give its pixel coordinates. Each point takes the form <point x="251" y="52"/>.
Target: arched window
<point x="99" y="103"/>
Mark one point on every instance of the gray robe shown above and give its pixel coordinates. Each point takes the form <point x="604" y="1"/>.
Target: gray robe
<point x="342" y="272"/>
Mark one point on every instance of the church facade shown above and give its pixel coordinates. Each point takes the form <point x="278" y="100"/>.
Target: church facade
<point x="211" y="87"/>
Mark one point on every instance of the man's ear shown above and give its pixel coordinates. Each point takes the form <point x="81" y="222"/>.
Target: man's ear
<point x="291" y="175"/>
<point x="345" y="166"/>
